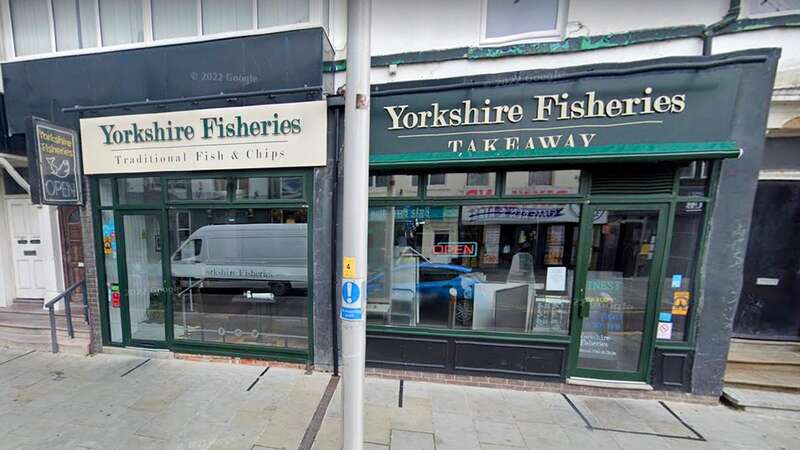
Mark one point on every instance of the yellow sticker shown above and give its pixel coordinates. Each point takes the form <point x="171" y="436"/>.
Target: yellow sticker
<point x="680" y="304"/>
<point x="349" y="267"/>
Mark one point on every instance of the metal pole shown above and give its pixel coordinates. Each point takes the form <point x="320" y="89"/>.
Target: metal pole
<point x="354" y="221"/>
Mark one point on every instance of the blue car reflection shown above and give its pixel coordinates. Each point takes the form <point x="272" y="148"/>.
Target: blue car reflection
<point x="435" y="281"/>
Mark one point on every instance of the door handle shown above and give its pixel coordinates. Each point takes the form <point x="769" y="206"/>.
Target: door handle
<point x="583" y="309"/>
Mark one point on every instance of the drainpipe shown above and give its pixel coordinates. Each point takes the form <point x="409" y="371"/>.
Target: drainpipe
<point x="15" y="175"/>
<point x="711" y="30"/>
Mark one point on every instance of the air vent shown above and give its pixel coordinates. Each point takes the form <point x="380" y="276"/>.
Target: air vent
<point x="632" y="179"/>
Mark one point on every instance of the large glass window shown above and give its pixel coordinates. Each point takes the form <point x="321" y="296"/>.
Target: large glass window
<point x="240" y="276"/>
<point x="678" y="288"/>
<point x="497" y="268"/>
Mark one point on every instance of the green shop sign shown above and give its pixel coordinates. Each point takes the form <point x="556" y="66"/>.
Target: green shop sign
<point x="631" y="112"/>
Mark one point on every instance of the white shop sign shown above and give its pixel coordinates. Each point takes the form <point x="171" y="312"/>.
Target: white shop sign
<point x="249" y="137"/>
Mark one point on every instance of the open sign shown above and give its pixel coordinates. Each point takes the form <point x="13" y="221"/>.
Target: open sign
<point x="456" y="248"/>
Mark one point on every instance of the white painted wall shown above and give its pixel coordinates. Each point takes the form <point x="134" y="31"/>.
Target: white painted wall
<point x="7" y="283"/>
<point x="418" y="25"/>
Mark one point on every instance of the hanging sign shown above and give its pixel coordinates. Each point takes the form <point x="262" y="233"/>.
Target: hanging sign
<point x="55" y="169"/>
<point x="248" y="137"/>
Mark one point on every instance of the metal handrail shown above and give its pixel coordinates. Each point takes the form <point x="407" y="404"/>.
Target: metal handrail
<point x="67" y="297"/>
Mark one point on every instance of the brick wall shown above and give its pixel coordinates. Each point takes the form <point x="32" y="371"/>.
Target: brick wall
<point x="90" y="270"/>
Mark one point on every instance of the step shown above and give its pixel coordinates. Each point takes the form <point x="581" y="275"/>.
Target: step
<point x="750" y="356"/>
<point x="738" y="344"/>
<point x="41" y="320"/>
<point x="75" y="346"/>
<point x="31" y="301"/>
<point x="758" y="399"/>
<point x="43" y="328"/>
<point x="770" y="377"/>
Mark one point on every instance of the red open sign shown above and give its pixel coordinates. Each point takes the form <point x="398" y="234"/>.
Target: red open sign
<point x="456" y="248"/>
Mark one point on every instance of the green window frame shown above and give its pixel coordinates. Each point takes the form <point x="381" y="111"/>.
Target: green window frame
<point x="582" y="197"/>
<point x="163" y="206"/>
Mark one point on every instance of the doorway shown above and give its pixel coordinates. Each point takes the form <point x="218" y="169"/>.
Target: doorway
<point x="618" y="282"/>
<point x="30" y="247"/>
<point x="69" y="218"/>
<point x="144" y="294"/>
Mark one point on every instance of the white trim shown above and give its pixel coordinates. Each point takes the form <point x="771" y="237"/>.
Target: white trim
<point x="613" y="384"/>
<point x="556" y="34"/>
<point x="778" y="175"/>
<point x="315" y="10"/>
<point x="199" y="28"/>
<point x="8" y="42"/>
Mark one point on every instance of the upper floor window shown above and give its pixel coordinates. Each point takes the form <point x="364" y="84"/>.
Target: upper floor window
<point x="47" y="26"/>
<point x="770" y="7"/>
<point x="511" y="20"/>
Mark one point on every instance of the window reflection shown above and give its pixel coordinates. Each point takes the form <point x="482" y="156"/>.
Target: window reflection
<point x="499" y="268"/>
<point x="475" y="184"/>
<point x="240" y="276"/>
<point x="139" y="191"/>
<point x="543" y="182"/>
<point x="393" y="185"/>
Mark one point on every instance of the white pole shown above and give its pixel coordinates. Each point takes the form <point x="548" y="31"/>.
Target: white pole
<point x="354" y="221"/>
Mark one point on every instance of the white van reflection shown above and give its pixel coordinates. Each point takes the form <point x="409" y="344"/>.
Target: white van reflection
<point x="253" y="257"/>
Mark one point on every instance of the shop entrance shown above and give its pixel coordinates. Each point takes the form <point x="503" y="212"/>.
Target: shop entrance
<point x="618" y="291"/>
<point x="143" y="290"/>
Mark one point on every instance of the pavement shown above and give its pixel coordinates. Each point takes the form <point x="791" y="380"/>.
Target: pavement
<point x="131" y="402"/>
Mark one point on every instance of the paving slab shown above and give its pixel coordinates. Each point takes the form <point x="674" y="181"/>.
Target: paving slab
<point x="411" y="440"/>
<point x="752" y="398"/>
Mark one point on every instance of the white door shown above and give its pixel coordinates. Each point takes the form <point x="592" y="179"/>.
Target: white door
<point x="30" y="248"/>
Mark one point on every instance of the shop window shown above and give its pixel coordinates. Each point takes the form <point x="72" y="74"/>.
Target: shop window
<point x="75" y="24"/>
<point x="437" y="179"/>
<point x="30" y="21"/>
<point x="139" y="190"/>
<point x="505" y="268"/>
<point x="112" y="286"/>
<point x="282" y="12"/>
<point x="174" y="18"/>
<point x="762" y="8"/>
<point x="121" y="21"/>
<point x="393" y="185"/>
<point x="270" y="188"/>
<point x="507" y="20"/>
<point x="106" y="195"/>
<point x="678" y="288"/>
<point x="200" y="189"/>
<point x="462" y="184"/>
<point x="543" y="182"/>
<point x="220" y="16"/>
<point x="240" y="276"/>
<point x="694" y="178"/>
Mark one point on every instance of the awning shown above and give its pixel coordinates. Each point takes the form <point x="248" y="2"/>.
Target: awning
<point x="609" y="153"/>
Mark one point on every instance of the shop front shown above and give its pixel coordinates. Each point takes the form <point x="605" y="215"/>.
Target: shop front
<point x="572" y="225"/>
<point x="203" y="162"/>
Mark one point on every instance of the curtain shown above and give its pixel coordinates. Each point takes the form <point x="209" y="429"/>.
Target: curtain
<point x="30" y="22"/>
<point x="174" y="18"/>
<point x="220" y="16"/>
<point x="75" y="24"/>
<point x="281" y="12"/>
<point x="121" y="21"/>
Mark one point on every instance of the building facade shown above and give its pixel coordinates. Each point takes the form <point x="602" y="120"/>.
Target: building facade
<point x="555" y="199"/>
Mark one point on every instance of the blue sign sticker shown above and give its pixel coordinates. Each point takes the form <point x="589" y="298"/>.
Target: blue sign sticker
<point x="665" y="317"/>
<point x="351" y="301"/>
<point x="677" y="279"/>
